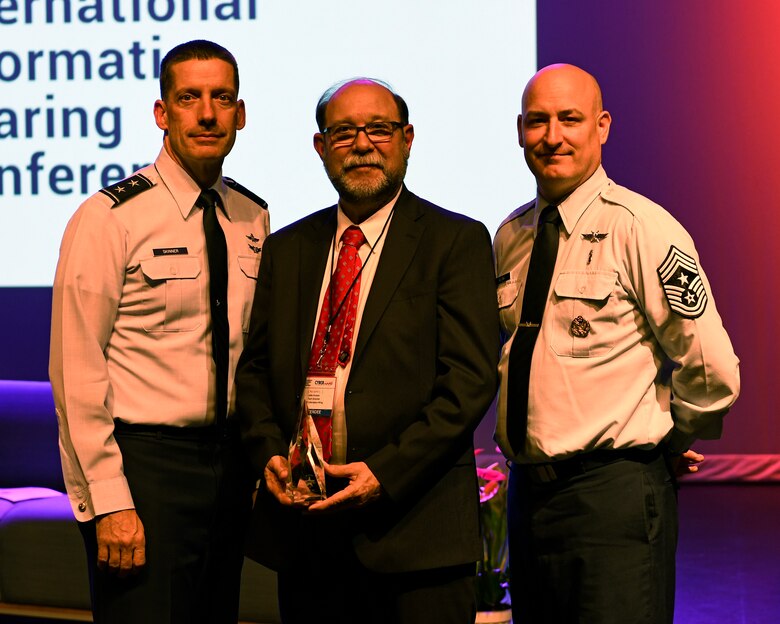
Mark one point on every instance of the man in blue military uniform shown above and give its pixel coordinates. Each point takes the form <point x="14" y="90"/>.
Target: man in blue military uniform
<point x="617" y="360"/>
<point x="151" y="307"/>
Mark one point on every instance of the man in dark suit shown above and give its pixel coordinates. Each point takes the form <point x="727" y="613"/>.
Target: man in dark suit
<point x="409" y="372"/>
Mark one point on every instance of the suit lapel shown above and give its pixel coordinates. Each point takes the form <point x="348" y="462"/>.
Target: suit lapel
<point x="403" y="238"/>
<point x="313" y="254"/>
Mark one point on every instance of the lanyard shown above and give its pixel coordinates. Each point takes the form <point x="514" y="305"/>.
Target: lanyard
<point x="331" y="314"/>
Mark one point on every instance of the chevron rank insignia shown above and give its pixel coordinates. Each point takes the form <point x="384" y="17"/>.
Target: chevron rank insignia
<point x="682" y="284"/>
<point x="126" y="189"/>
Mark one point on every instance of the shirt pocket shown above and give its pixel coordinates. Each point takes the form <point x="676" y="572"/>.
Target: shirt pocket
<point x="173" y="301"/>
<point x="506" y="293"/>
<point x="250" y="266"/>
<point x="584" y="323"/>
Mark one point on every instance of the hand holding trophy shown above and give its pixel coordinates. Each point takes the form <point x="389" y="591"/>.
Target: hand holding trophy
<point x="306" y="473"/>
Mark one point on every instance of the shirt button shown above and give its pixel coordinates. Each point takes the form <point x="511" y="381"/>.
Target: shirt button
<point x="82" y="506"/>
<point x="582" y="289"/>
<point x="173" y="270"/>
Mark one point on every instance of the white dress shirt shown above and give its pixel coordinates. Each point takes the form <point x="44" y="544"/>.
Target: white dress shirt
<point x="375" y="230"/>
<point x="646" y="370"/>
<point x="131" y="331"/>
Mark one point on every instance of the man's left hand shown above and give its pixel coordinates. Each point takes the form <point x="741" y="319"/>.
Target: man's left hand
<point x="363" y="487"/>
<point x="687" y="463"/>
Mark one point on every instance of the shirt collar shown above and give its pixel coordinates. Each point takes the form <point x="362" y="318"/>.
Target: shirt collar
<point x="183" y="188"/>
<point x="574" y="204"/>
<point x="371" y="227"/>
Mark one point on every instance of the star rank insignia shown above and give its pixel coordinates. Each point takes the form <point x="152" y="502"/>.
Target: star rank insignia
<point x="127" y="189"/>
<point x="594" y="237"/>
<point x="682" y="284"/>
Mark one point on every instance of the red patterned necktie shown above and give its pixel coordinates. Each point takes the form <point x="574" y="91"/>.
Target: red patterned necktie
<point x="332" y="345"/>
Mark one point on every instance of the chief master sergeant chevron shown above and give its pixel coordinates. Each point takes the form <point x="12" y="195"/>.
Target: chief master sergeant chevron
<point x="143" y="354"/>
<point x="617" y="361"/>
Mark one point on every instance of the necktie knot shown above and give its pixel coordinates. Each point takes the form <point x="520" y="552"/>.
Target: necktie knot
<point x="353" y="236"/>
<point x="550" y="214"/>
<point x="208" y="199"/>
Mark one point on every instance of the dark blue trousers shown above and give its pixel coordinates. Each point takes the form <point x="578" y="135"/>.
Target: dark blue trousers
<point x="192" y="491"/>
<point x="596" y="548"/>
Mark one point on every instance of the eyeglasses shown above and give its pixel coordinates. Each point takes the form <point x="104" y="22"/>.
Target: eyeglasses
<point x="376" y="131"/>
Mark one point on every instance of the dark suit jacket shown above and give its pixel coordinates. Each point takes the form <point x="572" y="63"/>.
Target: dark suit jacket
<point x="422" y="377"/>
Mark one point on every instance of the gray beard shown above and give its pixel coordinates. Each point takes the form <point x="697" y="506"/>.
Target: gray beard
<point x="356" y="192"/>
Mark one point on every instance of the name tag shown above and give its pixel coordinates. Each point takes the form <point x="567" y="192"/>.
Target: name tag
<point x="502" y="278"/>
<point x="170" y="251"/>
<point x="319" y="392"/>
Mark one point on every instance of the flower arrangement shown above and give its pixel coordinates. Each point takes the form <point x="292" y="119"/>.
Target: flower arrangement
<point x="492" y="577"/>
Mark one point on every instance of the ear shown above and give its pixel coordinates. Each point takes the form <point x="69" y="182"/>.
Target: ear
<point x="319" y="144"/>
<point x="520" y="131"/>
<point x="161" y="115"/>
<point x="603" y="123"/>
<point x="240" y="115"/>
<point x="408" y="135"/>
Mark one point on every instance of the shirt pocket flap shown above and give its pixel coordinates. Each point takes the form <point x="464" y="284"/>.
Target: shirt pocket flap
<point x="171" y="267"/>
<point x="594" y="285"/>
<point x="250" y="265"/>
<point x="507" y="294"/>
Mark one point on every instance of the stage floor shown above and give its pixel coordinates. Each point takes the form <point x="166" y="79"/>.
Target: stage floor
<point x="728" y="558"/>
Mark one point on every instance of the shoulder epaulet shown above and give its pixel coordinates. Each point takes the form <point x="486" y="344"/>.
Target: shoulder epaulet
<point x="127" y="189"/>
<point x="518" y="212"/>
<point x="244" y="191"/>
<point x="630" y="200"/>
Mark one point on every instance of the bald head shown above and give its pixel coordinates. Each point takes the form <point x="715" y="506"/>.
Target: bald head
<point x="561" y="76"/>
<point x="325" y="98"/>
<point x="562" y="128"/>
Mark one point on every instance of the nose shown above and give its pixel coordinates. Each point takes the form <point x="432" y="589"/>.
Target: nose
<point x="206" y="113"/>
<point x="553" y="135"/>
<point x="362" y="143"/>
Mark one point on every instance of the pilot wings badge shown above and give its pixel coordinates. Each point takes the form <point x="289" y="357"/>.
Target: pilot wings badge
<point x="594" y="237"/>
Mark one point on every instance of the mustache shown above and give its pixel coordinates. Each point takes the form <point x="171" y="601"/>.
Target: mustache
<point x="362" y="161"/>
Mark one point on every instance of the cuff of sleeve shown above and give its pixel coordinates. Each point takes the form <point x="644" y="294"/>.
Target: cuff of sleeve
<point x="678" y="442"/>
<point x="102" y="497"/>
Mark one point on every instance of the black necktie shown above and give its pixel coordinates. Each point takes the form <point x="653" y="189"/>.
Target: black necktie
<point x="537" y="286"/>
<point x="216" y="249"/>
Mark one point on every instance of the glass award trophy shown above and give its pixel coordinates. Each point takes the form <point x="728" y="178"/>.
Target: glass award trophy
<point x="306" y="473"/>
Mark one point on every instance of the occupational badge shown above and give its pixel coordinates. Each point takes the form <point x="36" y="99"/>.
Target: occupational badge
<point x="594" y="236"/>
<point x="579" y="327"/>
<point x="682" y="284"/>
<point x="252" y="243"/>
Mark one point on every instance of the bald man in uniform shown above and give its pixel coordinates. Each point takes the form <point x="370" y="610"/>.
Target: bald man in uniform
<point x="616" y="361"/>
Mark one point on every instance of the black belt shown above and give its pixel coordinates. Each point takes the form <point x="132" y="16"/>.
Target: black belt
<point x="208" y="433"/>
<point x="564" y="469"/>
